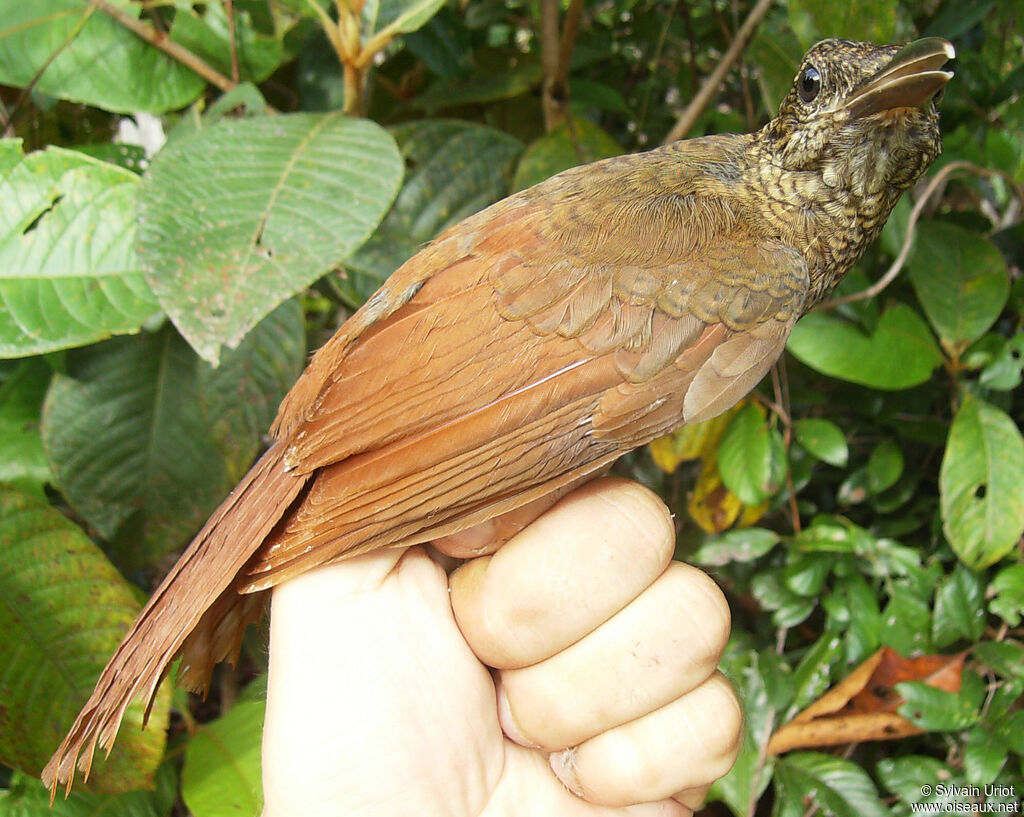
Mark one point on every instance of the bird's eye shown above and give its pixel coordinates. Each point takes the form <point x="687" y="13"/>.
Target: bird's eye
<point x="809" y="83"/>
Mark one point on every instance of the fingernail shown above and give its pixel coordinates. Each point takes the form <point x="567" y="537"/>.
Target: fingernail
<point x="508" y="720"/>
<point x="563" y="764"/>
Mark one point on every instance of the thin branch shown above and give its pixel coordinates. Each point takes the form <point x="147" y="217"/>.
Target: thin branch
<point x="229" y="6"/>
<point x="915" y="215"/>
<point x="570" y="28"/>
<point x="160" y="40"/>
<point x="549" y="38"/>
<point x="712" y="83"/>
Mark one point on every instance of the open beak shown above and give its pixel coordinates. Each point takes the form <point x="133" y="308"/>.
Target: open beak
<point x="910" y="80"/>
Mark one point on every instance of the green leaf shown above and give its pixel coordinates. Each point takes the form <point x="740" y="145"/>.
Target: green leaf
<point x="393" y="17"/>
<point x="221" y="777"/>
<point x="900" y="354"/>
<point x="63" y="610"/>
<point x="914" y="778"/>
<point x="86" y="56"/>
<point x="1004" y="371"/>
<point x="959" y="608"/>
<point x="1007" y="592"/>
<point x="788" y="609"/>
<point x="837" y="786"/>
<point x="742" y="545"/>
<point x="22" y="461"/>
<point x="985" y="753"/>
<point x="751" y="773"/>
<point x="906" y="623"/>
<point x="141" y="432"/>
<point x="884" y="466"/>
<point x="208" y="33"/>
<point x="805" y="575"/>
<point x="1004" y="657"/>
<point x="28" y="797"/>
<point x="492" y="86"/>
<point x="960" y="279"/>
<point x="238" y="217"/>
<point x="824" y="439"/>
<point x="68" y="273"/>
<point x="576" y="141"/>
<point x="980" y="484"/>
<point x="455" y="170"/>
<point x="868" y="20"/>
<point x="813" y="675"/>
<point x="935" y="709"/>
<point x="751" y="458"/>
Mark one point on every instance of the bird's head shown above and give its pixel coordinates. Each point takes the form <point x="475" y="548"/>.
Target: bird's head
<point x="863" y="116"/>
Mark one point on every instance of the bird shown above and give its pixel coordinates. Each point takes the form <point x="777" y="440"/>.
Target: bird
<point x="530" y="345"/>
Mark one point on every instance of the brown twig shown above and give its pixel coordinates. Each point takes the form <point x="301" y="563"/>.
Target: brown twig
<point x="570" y="28"/>
<point x="915" y="214"/>
<point x="556" y="55"/>
<point x="712" y="83"/>
<point x="160" y="40"/>
<point x="229" y="7"/>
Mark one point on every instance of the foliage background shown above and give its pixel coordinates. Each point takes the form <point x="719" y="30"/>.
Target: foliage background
<point x="871" y="495"/>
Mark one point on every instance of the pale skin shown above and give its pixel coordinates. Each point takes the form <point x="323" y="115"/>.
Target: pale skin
<point x="571" y="673"/>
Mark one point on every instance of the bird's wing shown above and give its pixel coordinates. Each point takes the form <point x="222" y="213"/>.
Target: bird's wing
<point x="539" y="342"/>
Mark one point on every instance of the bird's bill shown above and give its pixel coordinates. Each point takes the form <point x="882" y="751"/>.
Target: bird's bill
<point x="911" y="79"/>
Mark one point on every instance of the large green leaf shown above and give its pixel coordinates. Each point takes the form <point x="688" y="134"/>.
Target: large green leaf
<point x="900" y="354"/>
<point x="27" y="797"/>
<point x="980" y="484"/>
<point x="221" y="777"/>
<point x="961" y="281"/>
<point x="145" y="439"/>
<point x="238" y="217"/>
<point x="63" y="610"/>
<point x="86" y="56"/>
<point x="22" y="461"/>
<point x="454" y="170"/>
<point x="68" y="272"/>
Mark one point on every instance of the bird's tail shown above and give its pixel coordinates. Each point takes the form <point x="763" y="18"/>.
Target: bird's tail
<point x="203" y="578"/>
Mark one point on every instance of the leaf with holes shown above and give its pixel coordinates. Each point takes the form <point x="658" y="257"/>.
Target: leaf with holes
<point x="980" y="484"/>
<point x="145" y="439"/>
<point x="63" y="610"/>
<point x="238" y="217"/>
<point x="71" y="50"/>
<point x="68" y="272"/>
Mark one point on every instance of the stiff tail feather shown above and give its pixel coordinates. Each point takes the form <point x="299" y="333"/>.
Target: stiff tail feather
<point x="204" y="576"/>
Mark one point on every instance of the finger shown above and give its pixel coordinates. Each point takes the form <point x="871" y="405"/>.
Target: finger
<point x="561" y="577"/>
<point x="663" y="644"/>
<point x="692" y="798"/>
<point x="688" y="743"/>
<point x="527" y="787"/>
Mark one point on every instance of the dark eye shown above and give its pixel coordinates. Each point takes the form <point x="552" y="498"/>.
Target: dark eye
<point x="809" y="83"/>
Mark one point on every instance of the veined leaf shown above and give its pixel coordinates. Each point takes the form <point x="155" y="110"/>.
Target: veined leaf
<point x="68" y="271"/>
<point x="980" y="484"/>
<point x="900" y="354"/>
<point x="143" y="434"/>
<point x="238" y="217"/>
<point x="63" y="610"/>
<point x="84" y="55"/>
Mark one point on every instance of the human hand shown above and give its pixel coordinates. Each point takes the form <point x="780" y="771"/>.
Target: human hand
<point x="379" y="703"/>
